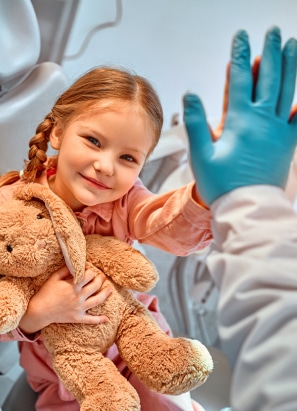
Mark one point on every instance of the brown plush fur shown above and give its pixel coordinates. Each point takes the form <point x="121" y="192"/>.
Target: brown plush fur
<point x="34" y="228"/>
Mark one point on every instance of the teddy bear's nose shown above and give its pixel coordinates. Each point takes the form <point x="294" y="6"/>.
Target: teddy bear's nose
<point x="40" y="244"/>
<point x="9" y="248"/>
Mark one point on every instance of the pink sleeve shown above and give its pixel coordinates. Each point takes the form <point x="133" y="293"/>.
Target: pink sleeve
<point x="17" y="335"/>
<point x="3" y="198"/>
<point x="173" y="221"/>
<point x="6" y="192"/>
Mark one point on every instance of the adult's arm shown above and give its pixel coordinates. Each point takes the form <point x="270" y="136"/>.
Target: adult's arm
<point x="242" y="177"/>
<point x="256" y="271"/>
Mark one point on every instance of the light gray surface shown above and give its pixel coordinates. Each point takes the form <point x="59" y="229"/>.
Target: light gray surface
<point x="19" y="40"/>
<point x="21" y="397"/>
<point x="9" y="367"/>
<point x="27" y="90"/>
<point x="23" y="108"/>
<point x="213" y="395"/>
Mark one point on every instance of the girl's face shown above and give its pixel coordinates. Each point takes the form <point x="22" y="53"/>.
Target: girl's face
<point x="100" y="155"/>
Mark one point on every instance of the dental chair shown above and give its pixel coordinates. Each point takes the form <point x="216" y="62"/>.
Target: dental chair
<point x="21" y="397"/>
<point x="27" y="93"/>
<point x="27" y="90"/>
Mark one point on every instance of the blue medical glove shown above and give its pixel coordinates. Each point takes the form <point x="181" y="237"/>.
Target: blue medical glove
<point x="257" y="142"/>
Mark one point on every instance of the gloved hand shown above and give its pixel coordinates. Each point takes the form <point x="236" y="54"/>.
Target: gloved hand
<point x="258" y="141"/>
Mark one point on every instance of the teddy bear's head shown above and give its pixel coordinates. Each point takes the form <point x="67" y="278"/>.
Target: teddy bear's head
<point x="34" y="228"/>
<point x="40" y="233"/>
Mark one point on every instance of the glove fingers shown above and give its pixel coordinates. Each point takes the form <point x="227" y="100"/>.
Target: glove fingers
<point x="287" y="89"/>
<point x="268" y="85"/>
<point x="241" y="81"/>
<point x="197" y="128"/>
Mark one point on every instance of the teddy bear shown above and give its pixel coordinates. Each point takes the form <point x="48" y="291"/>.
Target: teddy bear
<point x="39" y="233"/>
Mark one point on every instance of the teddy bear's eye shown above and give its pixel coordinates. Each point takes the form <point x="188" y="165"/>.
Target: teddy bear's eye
<point x="9" y="248"/>
<point x="39" y="216"/>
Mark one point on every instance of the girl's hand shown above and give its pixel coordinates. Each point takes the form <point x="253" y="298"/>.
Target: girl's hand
<point x="216" y="133"/>
<point x="62" y="301"/>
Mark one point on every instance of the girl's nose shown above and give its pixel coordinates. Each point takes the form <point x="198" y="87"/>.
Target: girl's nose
<point x="104" y="164"/>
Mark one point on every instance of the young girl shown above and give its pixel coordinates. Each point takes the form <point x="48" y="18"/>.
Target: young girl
<point x="104" y="128"/>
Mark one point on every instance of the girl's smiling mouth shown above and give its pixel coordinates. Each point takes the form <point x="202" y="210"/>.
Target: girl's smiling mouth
<point x="96" y="183"/>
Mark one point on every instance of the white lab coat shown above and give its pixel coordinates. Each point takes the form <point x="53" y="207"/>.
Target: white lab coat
<point x="256" y="271"/>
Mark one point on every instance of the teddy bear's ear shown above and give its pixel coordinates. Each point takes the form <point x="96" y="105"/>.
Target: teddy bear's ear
<point x="66" y="226"/>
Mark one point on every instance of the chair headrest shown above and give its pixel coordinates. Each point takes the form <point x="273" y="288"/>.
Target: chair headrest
<point x="19" y="40"/>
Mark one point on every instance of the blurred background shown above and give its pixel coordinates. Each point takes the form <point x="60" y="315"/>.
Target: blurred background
<point x="178" y="45"/>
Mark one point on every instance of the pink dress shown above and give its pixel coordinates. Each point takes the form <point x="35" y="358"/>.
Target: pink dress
<point x="173" y="222"/>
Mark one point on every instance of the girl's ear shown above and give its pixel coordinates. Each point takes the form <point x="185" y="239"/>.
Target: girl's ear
<point x="56" y="137"/>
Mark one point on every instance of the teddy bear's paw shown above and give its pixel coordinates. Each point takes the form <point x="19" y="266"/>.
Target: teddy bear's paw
<point x="13" y="304"/>
<point x="186" y="366"/>
<point x="9" y="319"/>
<point x="204" y="364"/>
<point x="193" y="366"/>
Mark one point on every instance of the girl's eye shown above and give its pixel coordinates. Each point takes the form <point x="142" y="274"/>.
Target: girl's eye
<point x="94" y="141"/>
<point x="129" y="158"/>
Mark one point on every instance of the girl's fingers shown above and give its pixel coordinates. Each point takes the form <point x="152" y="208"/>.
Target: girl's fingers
<point x="93" y="285"/>
<point x="89" y="276"/>
<point x="98" y="298"/>
<point x="61" y="274"/>
<point x="293" y="112"/>
<point x="255" y="73"/>
<point x="216" y="133"/>
<point x="94" y="319"/>
<point x="255" y="68"/>
<point x="86" y="295"/>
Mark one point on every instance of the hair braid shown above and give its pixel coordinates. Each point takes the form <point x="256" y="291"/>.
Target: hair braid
<point x="38" y="146"/>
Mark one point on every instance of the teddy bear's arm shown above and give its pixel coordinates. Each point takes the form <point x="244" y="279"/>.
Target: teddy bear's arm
<point x="127" y="266"/>
<point x="14" y="299"/>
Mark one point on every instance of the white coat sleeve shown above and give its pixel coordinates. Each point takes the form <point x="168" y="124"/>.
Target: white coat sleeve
<point x="255" y="269"/>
